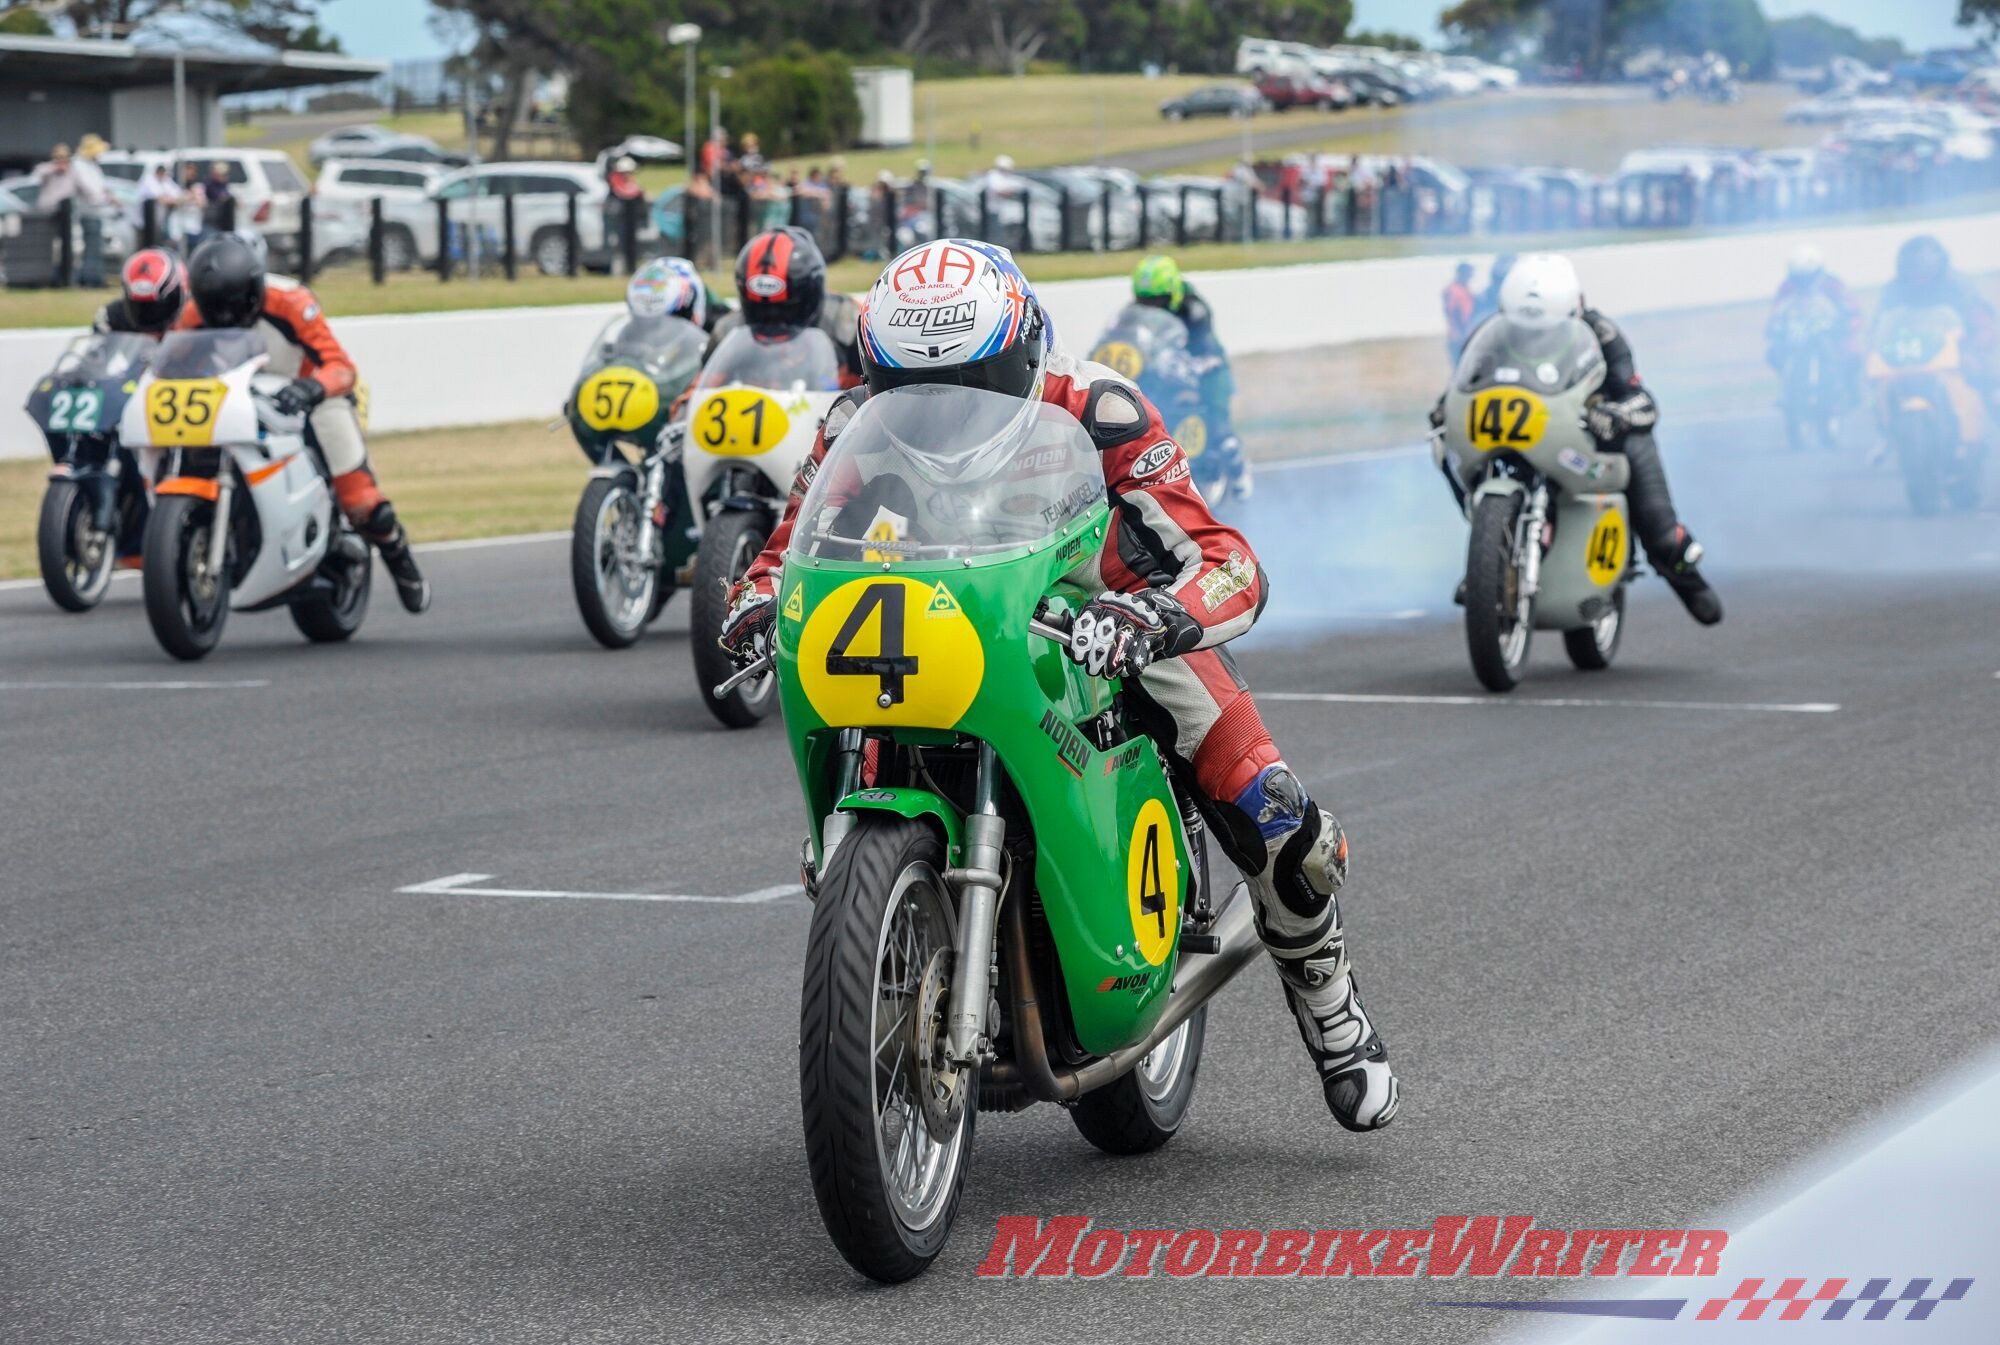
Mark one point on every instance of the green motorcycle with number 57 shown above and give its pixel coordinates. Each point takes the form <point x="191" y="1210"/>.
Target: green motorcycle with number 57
<point x="1012" y="899"/>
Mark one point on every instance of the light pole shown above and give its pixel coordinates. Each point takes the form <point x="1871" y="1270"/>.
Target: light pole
<point x="687" y="35"/>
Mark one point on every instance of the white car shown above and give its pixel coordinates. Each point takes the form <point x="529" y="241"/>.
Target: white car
<point x="341" y="197"/>
<point x="120" y="238"/>
<point x="541" y="193"/>
<point x="267" y="189"/>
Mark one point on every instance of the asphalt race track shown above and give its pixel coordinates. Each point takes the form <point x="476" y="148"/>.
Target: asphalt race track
<point x="1640" y="941"/>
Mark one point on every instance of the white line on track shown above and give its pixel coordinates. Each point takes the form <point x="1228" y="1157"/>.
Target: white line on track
<point x="465" y="885"/>
<point x="133" y="686"/>
<point x="9" y="585"/>
<point x="1550" y="702"/>
<point x="475" y="543"/>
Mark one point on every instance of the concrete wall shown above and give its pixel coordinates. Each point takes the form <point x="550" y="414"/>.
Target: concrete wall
<point x="474" y="368"/>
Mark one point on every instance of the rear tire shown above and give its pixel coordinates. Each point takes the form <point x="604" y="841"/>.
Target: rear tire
<point x="729" y="543"/>
<point x="1140" y="1111"/>
<point x="1497" y="633"/>
<point x="330" y="618"/>
<point x="1594" y="646"/>
<point x="887" y="1189"/>
<point x="615" y="603"/>
<point x="75" y="577"/>
<point x="186" y="606"/>
<point x="1917" y="452"/>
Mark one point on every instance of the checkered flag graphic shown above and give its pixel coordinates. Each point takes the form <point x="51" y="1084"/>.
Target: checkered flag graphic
<point x="1917" y="1293"/>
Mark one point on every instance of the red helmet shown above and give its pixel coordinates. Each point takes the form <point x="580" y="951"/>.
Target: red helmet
<point x="155" y="286"/>
<point x="781" y="279"/>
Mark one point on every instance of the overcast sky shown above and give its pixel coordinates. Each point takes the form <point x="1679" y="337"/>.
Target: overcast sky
<point x="393" y="29"/>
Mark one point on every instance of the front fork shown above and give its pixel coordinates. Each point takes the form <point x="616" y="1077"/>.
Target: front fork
<point x="978" y="886"/>
<point x="218" y="528"/>
<point x="1528" y="544"/>
<point x="652" y="490"/>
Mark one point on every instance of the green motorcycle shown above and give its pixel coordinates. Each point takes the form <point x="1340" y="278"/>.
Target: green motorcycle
<point x="1012" y="897"/>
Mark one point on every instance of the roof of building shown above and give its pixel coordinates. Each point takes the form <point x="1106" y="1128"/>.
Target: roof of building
<point x="125" y="64"/>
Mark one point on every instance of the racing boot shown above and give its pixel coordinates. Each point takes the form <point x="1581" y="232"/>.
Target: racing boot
<point x="385" y="532"/>
<point x="1298" y="920"/>
<point x="1678" y="567"/>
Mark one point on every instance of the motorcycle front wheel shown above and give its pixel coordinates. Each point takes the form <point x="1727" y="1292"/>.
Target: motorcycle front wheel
<point x="1499" y="622"/>
<point x="888" y="1124"/>
<point x="77" y="559"/>
<point x="186" y="603"/>
<point x="729" y="543"/>
<point x="617" y="590"/>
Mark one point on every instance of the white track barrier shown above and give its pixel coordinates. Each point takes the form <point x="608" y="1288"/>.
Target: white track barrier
<point x="484" y="367"/>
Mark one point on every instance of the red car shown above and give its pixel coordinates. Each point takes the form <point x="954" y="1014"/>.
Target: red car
<point x="1284" y="92"/>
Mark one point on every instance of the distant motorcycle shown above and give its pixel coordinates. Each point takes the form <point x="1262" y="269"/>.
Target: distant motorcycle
<point x="1935" y="420"/>
<point x="1551" y="548"/>
<point x="1806" y="350"/>
<point x="1149" y="347"/>
<point x="94" y="511"/>
<point x="243" y="513"/>
<point x="634" y="530"/>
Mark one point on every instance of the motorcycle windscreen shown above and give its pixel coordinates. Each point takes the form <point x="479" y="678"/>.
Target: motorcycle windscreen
<point x="1550" y="362"/>
<point x="206" y="353"/>
<point x="939" y="472"/>
<point x="783" y="359"/>
<point x="1914" y="338"/>
<point x="665" y="349"/>
<point x="104" y="355"/>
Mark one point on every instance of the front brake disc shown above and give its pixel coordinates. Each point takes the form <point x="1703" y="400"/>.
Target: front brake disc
<point x="940" y="1082"/>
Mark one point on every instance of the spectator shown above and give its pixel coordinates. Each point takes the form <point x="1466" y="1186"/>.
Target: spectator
<point x="697" y="204"/>
<point x="218" y="212"/>
<point x="1489" y="298"/>
<point x="812" y="198"/>
<point x="885" y="211"/>
<point x="157" y="187"/>
<point x="1459" y="307"/>
<point x="57" y="180"/>
<point x="751" y="161"/>
<point x="621" y="177"/>
<point x="188" y="211"/>
<point x="93" y="201"/>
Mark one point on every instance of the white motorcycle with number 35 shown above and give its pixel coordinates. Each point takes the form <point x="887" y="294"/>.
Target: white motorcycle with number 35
<point x="752" y="419"/>
<point x="243" y="512"/>
<point x="1551" y="547"/>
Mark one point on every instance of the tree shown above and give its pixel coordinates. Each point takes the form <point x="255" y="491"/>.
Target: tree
<point x="1972" y="12"/>
<point x="1735" y="28"/>
<point x="24" y="21"/>
<point x="1387" y="41"/>
<point x="1810" y="40"/>
<point x="289" y="24"/>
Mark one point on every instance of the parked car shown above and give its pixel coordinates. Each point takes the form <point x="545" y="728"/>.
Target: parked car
<point x="342" y="211"/>
<point x="541" y="193"/>
<point x="1370" y="87"/>
<point x="120" y="238"/>
<point x="352" y="142"/>
<point x="130" y="166"/>
<point x="1215" y="100"/>
<point x="267" y="188"/>
<point x="1284" y="92"/>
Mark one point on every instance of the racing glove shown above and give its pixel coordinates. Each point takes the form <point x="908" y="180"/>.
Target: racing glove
<point x="300" y="396"/>
<point x="1608" y="420"/>
<point x="746" y="630"/>
<point x="1120" y="634"/>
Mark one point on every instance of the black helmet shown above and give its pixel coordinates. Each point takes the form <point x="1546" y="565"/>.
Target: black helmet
<point x="227" y="281"/>
<point x="781" y="278"/>
<point x="155" y="287"/>
<point x="1922" y="261"/>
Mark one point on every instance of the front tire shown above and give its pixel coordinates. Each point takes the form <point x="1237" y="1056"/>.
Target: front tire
<point x="1140" y="1111"/>
<point x="887" y="1186"/>
<point x="1498" y="621"/>
<point x="77" y="560"/>
<point x="1593" y="647"/>
<point x="617" y="592"/>
<point x="186" y="604"/>
<point x="729" y="543"/>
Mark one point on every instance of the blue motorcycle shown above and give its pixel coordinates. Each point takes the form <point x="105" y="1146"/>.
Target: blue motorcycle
<point x="94" y="512"/>
<point x="1150" y="347"/>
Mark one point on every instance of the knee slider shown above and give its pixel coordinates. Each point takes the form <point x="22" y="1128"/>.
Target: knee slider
<point x="1307" y="849"/>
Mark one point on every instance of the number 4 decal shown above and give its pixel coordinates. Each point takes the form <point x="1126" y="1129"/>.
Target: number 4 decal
<point x="892" y="664"/>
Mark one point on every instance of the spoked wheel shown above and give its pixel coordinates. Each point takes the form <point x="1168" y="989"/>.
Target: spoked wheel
<point x="1594" y="646"/>
<point x="330" y="615"/>
<point x="617" y="589"/>
<point x="888" y="1122"/>
<point x="1499" y="618"/>
<point x="729" y="543"/>
<point x="1138" y="1112"/>
<point x="77" y="559"/>
<point x="187" y="603"/>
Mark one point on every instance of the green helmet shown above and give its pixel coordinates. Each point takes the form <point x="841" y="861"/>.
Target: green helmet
<point x="1158" y="280"/>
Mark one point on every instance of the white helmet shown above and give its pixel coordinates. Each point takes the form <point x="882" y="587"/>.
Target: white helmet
<point x="1805" y="262"/>
<point x="954" y="311"/>
<point x="1541" y="293"/>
